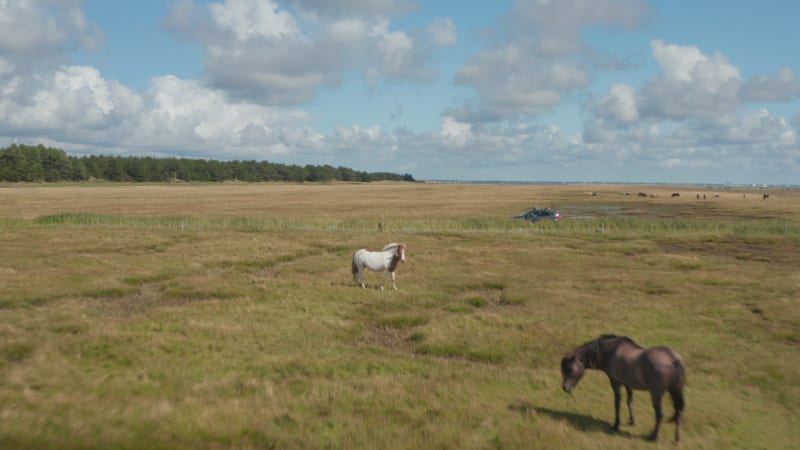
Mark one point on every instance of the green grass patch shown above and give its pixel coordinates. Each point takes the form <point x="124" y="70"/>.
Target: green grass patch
<point x="478" y="302"/>
<point x="111" y="292"/>
<point x="513" y="300"/>
<point x="177" y="293"/>
<point x="15" y="352"/>
<point x="460" y="351"/>
<point x="403" y="322"/>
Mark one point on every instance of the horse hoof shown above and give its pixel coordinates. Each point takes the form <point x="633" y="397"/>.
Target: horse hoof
<point x="652" y="438"/>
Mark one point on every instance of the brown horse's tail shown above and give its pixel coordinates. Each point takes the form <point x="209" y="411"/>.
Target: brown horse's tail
<point x="677" y="388"/>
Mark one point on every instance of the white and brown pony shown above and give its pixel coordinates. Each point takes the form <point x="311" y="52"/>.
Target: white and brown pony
<point x="385" y="261"/>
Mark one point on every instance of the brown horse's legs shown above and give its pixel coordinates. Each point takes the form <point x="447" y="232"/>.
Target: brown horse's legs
<point x="656" y="397"/>
<point x="615" y="386"/>
<point x="632" y="421"/>
<point x="677" y="401"/>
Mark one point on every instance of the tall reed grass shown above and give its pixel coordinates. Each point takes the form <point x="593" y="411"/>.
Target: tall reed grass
<point x="611" y="226"/>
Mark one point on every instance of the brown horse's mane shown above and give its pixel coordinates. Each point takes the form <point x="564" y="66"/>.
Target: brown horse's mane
<point x="582" y="349"/>
<point x="592" y="353"/>
<point x="604" y="337"/>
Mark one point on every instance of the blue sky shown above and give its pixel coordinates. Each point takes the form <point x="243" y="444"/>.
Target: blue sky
<point x="560" y="90"/>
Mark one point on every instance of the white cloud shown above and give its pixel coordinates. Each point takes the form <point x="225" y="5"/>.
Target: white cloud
<point x="784" y="86"/>
<point x="38" y="33"/>
<point x="691" y="84"/>
<point x="692" y="116"/>
<point x="71" y="98"/>
<point x="509" y="81"/>
<point x="261" y="52"/>
<point x="620" y="104"/>
<point x="253" y="19"/>
<point x="76" y="106"/>
<point x="6" y="67"/>
<point x="455" y="133"/>
<point x="758" y="127"/>
<point x="356" y="133"/>
<point x="541" y="58"/>
<point x="442" y="32"/>
<point x="365" y="9"/>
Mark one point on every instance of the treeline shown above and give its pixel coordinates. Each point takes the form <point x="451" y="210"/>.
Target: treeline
<point x="40" y="163"/>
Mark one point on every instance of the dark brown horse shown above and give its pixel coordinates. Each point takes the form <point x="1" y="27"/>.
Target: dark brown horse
<point x="655" y="369"/>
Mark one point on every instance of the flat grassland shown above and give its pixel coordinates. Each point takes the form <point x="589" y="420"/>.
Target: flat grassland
<point x="224" y="315"/>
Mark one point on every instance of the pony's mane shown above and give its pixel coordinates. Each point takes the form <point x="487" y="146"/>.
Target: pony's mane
<point x="391" y="246"/>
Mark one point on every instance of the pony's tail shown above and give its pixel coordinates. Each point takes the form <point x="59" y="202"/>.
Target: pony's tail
<point x="354" y="267"/>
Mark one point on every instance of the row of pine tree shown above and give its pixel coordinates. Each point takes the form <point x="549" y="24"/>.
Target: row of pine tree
<point x="40" y="163"/>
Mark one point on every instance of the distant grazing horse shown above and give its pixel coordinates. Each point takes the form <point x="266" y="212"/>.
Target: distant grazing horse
<point x="656" y="369"/>
<point x="385" y="261"/>
<point x="765" y="196"/>
<point x="676" y="195"/>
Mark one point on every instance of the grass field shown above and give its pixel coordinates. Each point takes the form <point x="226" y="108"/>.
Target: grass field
<point x="224" y="316"/>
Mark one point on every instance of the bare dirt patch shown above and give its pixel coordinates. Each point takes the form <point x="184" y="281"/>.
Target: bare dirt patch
<point x="395" y="339"/>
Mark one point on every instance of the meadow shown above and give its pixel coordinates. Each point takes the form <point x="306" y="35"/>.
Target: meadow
<point x="215" y="316"/>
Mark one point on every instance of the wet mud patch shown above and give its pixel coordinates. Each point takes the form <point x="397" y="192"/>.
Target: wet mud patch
<point x="767" y="252"/>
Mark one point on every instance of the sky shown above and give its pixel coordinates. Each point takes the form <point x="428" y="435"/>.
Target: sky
<point x="529" y="90"/>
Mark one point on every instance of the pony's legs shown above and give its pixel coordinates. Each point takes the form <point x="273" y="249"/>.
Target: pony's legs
<point x="385" y="273"/>
<point x="632" y="421"/>
<point x="394" y="282"/>
<point x="656" y="397"/>
<point x="360" y="278"/>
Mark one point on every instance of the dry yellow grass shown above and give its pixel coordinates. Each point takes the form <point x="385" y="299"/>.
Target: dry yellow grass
<point x="343" y="200"/>
<point x="119" y="328"/>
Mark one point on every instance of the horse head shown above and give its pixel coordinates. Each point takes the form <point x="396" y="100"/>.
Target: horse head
<point x="574" y="364"/>
<point x="399" y="251"/>
<point x="572" y="369"/>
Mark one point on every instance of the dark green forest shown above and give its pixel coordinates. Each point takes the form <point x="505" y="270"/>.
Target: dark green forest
<point x="40" y="163"/>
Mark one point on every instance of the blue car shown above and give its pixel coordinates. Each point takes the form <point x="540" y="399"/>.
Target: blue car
<point x="537" y="214"/>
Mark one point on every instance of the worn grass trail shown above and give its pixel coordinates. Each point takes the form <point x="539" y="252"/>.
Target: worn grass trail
<point x="225" y="316"/>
